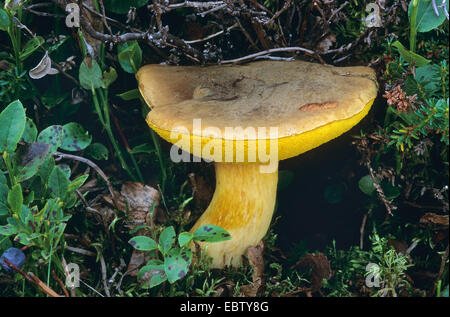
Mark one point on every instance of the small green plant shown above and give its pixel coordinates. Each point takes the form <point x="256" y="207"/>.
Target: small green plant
<point x="176" y="259"/>
<point x="97" y="82"/>
<point x="352" y="268"/>
<point x="424" y="16"/>
<point x="130" y="59"/>
<point x="390" y="269"/>
<point x="34" y="190"/>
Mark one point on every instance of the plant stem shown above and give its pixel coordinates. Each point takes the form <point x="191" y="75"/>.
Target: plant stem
<point x="413" y="26"/>
<point x="7" y="161"/>
<point x="103" y="113"/>
<point x="160" y="159"/>
<point x="15" y="41"/>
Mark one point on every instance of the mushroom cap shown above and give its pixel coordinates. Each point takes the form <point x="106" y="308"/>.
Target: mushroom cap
<point x="308" y="103"/>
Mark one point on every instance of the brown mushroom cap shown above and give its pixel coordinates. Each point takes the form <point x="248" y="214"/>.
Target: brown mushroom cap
<point x="296" y="97"/>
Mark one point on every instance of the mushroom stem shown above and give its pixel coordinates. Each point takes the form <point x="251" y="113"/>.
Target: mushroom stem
<point x="243" y="204"/>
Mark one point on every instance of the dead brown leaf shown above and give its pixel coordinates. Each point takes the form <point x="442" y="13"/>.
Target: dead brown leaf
<point x="136" y="200"/>
<point x="326" y="43"/>
<point x="255" y="256"/>
<point x="224" y="289"/>
<point x="400" y="246"/>
<point x="435" y="220"/>
<point x="138" y="258"/>
<point x="320" y="266"/>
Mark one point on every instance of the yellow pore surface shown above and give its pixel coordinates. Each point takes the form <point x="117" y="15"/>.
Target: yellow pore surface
<point x="288" y="147"/>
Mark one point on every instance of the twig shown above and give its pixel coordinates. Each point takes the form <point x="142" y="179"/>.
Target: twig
<point x="30" y="277"/>
<point x="194" y="4"/>
<point x="212" y="35"/>
<point x="117" y="270"/>
<point x="349" y="46"/>
<point x="44" y="14"/>
<point x="155" y="38"/>
<point x="286" y="5"/>
<point x="361" y="231"/>
<point x="80" y="251"/>
<point x="91" y="288"/>
<point x="104" y="277"/>
<point x="137" y="35"/>
<point x="444" y="258"/>
<point x="91" y="164"/>
<point x="379" y="190"/>
<point x="337" y="11"/>
<point x="247" y="36"/>
<point x="267" y="52"/>
<point x="67" y="273"/>
<point x="158" y="13"/>
<point x="203" y="14"/>
<point x="60" y="283"/>
<point x="104" y="17"/>
<point x="275" y="58"/>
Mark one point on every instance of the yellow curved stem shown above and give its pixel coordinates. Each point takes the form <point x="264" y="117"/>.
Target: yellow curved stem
<point x="243" y="204"/>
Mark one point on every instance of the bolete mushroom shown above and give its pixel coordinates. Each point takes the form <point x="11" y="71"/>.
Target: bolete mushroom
<point x="246" y="118"/>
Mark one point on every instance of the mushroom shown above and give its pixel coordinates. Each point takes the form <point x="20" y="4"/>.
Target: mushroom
<point x="246" y="118"/>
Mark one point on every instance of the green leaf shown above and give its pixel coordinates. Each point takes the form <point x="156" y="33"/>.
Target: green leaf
<point x="130" y="57"/>
<point x="211" y="233"/>
<point x="31" y="46"/>
<point x="58" y="184"/>
<point x="109" y="77"/>
<point x="176" y="263"/>
<point x="166" y="239"/>
<point x="30" y="133"/>
<point x="53" y="136"/>
<point x="78" y="182"/>
<point x="4" y="190"/>
<point x="3" y="179"/>
<point x="427" y="19"/>
<point x="8" y="230"/>
<point x="429" y="77"/>
<point x="143" y="243"/>
<point x="390" y="191"/>
<point x="25" y="239"/>
<point x="366" y="185"/>
<point x="15" y="198"/>
<point x="130" y="95"/>
<point x="46" y="169"/>
<point x="29" y="158"/>
<point x="53" y="97"/>
<point x="152" y="273"/>
<point x="4" y="20"/>
<point x="143" y="148"/>
<point x="123" y="6"/>
<point x="75" y="138"/>
<point x="12" y="126"/>
<point x="185" y="238"/>
<point x="97" y="151"/>
<point x="4" y="210"/>
<point x="66" y="169"/>
<point x="410" y="57"/>
<point x="90" y="76"/>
